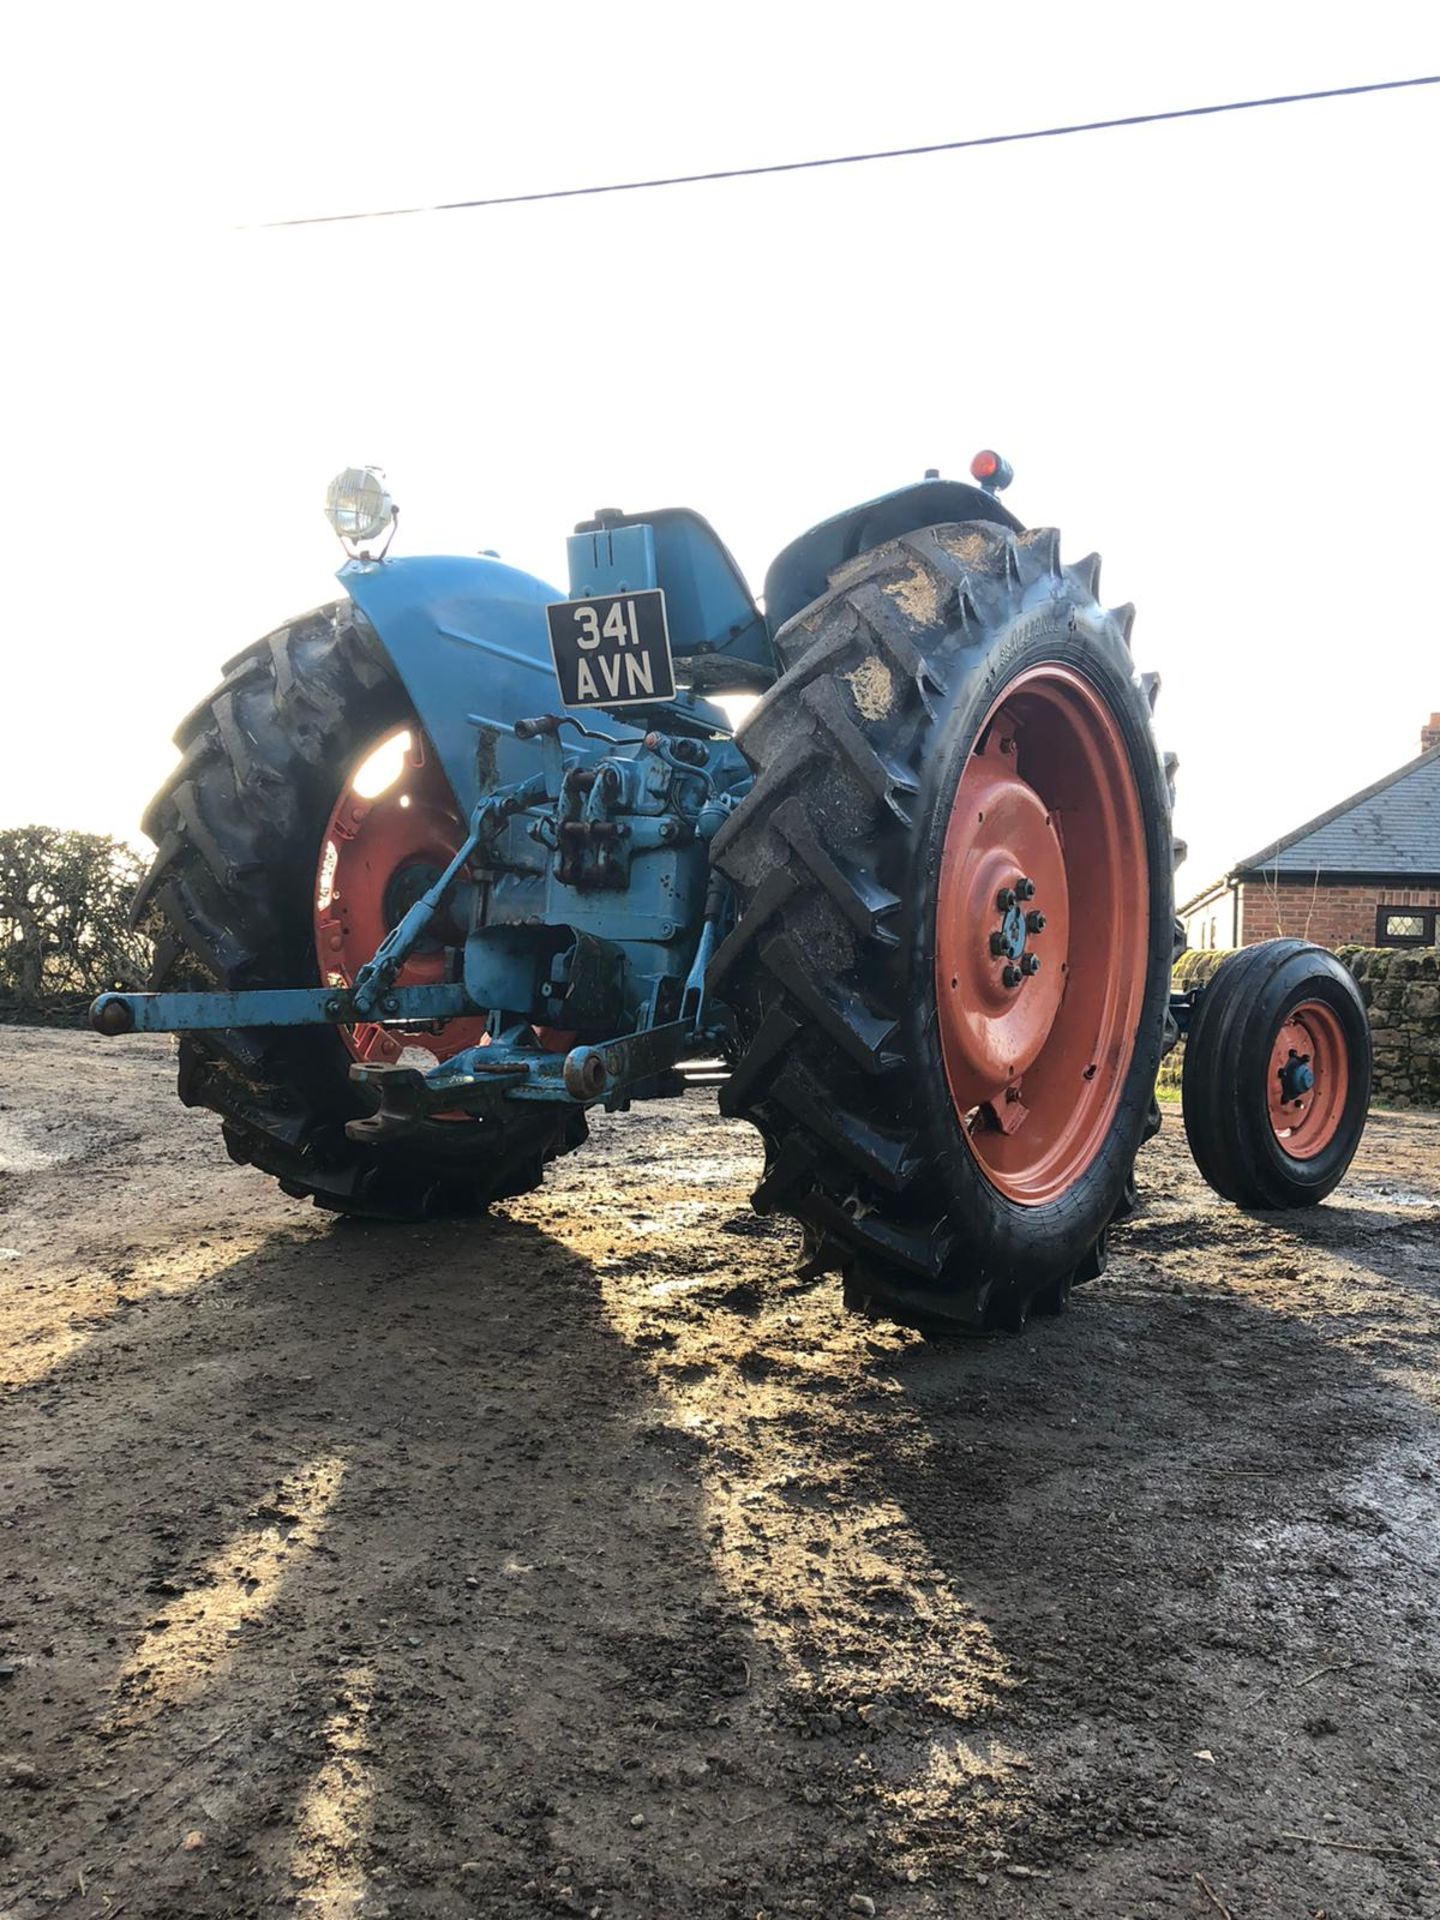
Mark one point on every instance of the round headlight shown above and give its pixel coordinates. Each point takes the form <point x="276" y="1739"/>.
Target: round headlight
<point x="358" y="504"/>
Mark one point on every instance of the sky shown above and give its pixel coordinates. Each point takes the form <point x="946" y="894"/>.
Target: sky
<point x="1207" y="348"/>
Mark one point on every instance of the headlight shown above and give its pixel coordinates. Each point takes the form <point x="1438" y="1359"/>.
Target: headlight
<point x="358" y="504"/>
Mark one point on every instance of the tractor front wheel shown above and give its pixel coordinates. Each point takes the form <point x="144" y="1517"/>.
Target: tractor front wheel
<point x="1276" y="1083"/>
<point x="950" y="968"/>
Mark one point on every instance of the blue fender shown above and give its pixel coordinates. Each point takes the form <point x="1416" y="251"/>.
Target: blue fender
<point x="468" y="640"/>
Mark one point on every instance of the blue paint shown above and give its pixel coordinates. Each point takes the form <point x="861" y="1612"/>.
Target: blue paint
<point x="466" y="635"/>
<point x="715" y="625"/>
<point x="613" y="560"/>
<point x="588" y="889"/>
<point x="270" y="1007"/>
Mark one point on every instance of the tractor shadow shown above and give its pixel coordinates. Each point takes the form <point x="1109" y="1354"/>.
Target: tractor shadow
<point x="1170" y="1508"/>
<point x="368" y="1570"/>
<point x="1398" y="1252"/>
<point x="429" y="1571"/>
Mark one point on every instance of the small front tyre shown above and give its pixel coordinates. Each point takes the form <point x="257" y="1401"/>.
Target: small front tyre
<point x="1276" y="1082"/>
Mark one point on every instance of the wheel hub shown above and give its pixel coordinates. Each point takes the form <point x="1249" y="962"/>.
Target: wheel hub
<point x="997" y="1010"/>
<point x="1297" y="1077"/>
<point x="1016" y="923"/>
<point x="1038" y="1027"/>
<point x="407" y="885"/>
<point x="1309" y="1080"/>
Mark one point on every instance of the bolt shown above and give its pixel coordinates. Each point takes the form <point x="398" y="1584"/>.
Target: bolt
<point x="1034" y="922"/>
<point x="997" y="945"/>
<point x="332" y="1009"/>
<point x="1025" y="889"/>
<point x="390" y="1003"/>
<point x="1011" y="976"/>
<point x="1030" y="963"/>
<point x="1005" y="899"/>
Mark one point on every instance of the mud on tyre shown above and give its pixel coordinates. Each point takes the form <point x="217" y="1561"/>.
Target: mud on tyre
<point x="951" y="1095"/>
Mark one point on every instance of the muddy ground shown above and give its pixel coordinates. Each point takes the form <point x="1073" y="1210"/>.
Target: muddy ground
<point x="589" y="1562"/>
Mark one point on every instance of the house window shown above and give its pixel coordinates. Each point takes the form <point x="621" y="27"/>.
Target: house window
<point x="1405" y="926"/>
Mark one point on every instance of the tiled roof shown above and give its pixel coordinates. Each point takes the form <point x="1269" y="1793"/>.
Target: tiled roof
<point x="1390" y="828"/>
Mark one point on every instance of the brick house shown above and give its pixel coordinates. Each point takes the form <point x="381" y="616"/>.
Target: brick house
<point x="1366" y="873"/>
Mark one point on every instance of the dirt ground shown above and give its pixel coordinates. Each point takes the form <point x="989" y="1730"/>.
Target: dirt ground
<point x="589" y="1562"/>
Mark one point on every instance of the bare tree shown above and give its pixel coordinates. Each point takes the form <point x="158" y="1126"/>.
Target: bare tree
<point x="64" y="916"/>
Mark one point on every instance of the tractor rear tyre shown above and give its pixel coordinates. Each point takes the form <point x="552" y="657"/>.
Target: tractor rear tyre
<point x="259" y="830"/>
<point x="1276" y="1082"/>
<point x="950" y="966"/>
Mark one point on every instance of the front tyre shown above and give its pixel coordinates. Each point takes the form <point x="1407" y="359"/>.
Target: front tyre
<point x="950" y="969"/>
<point x="1276" y="1082"/>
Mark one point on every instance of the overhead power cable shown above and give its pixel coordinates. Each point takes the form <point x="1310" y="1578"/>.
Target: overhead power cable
<point x="861" y="159"/>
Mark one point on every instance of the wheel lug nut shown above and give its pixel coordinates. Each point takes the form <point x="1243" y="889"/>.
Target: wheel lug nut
<point x="1005" y="899"/>
<point x="1011" y="976"/>
<point x="1035" y="922"/>
<point x="997" y="945"/>
<point x="1030" y="963"/>
<point x="1025" y="889"/>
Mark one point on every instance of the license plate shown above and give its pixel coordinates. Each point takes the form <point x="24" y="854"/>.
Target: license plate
<point x="612" y="650"/>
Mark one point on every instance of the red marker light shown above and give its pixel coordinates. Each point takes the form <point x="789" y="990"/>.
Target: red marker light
<point x="993" y="473"/>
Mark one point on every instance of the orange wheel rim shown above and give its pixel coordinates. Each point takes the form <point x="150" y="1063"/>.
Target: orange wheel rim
<point x="380" y="851"/>
<point x="1042" y="934"/>
<point x="1309" y="1080"/>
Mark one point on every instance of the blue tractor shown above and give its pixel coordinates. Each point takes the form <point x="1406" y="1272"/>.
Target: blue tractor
<point x="451" y="862"/>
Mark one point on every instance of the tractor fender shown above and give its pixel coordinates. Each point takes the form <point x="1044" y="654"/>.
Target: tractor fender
<point x="468" y="639"/>
<point x="801" y="572"/>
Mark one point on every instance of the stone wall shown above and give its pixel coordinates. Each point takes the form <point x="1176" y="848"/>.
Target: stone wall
<point x="1192" y="969"/>
<point x="1401" y="991"/>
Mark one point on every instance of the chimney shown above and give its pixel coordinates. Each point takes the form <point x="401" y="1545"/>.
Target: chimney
<point x="1430" y="733"/>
